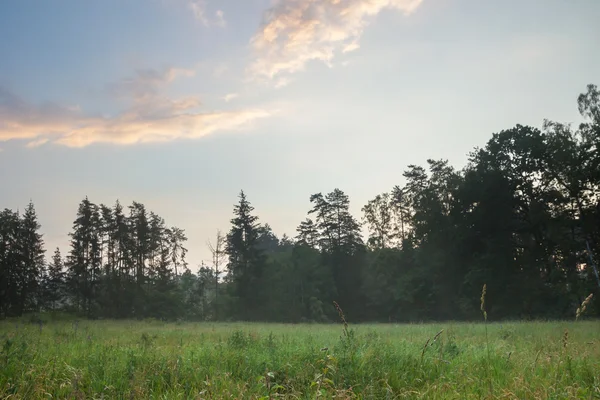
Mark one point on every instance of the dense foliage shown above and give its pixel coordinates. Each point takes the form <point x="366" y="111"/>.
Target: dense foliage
<point x="523" y="216"/>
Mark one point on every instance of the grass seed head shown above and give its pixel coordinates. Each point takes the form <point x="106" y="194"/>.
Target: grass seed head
<point x="584" y="305"/>
<point x="342" y="316"/>
<point x="565" y="339"/>
<point x="483" y="293"/>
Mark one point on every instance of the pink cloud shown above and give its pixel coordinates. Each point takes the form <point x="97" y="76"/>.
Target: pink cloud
<point x="299" y="31"/>
<point x="149" y="117"/>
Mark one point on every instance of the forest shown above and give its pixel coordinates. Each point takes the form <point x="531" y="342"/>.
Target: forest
<point x="522" y="217"/>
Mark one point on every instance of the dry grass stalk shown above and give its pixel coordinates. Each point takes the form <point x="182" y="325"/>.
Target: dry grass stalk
<point x="342" y="316"/>
<point x="424" y="349"/>
<point x="487" y="342"/>
<point x="483" y="293"/>
<point x="584" y="305"/>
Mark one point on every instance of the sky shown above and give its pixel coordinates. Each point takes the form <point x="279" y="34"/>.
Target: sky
<point x="180" y="104"/>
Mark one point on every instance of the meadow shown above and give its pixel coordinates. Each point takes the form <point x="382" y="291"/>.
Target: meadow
<point x="157" y="360"/>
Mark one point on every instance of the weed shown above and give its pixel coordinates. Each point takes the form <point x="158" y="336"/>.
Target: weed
<point x="238" y="340"/>
<point x="451" y="348"/>
<point x="323" y="383"/>
<point x="487" y="342"/>
<point x="146" y="341"/>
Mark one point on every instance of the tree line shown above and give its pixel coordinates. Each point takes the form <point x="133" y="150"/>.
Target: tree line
<point x="523" y="217"/>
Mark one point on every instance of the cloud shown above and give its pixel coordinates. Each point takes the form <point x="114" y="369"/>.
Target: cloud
<point x="15" y="114"/>
<point x="142" y="92"/>
<point x="148" y="117"/>
<point x="282" y="82"/>
<point x="199" y="9"/>
<point x="351" y="47"/>
<point x="230" y="96"/>
<point x="220" y="70"/>
<point x="296" y="32"/>
<point x="130" y="129"/>
<point x="146" y="82"/>
<point x="220" y="19"/>
<point x="38" y="142"/>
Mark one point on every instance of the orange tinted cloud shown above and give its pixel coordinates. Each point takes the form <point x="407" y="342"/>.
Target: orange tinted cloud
<point x="149" y="117"/>
<point x="299" y="31"/>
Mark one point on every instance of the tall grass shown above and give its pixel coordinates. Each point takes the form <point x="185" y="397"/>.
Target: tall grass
<point x="151" y="359"/>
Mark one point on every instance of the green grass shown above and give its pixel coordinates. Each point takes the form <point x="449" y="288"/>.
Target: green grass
<point x="155" y="360"/>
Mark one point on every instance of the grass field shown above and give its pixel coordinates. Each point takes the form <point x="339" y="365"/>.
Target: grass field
<point x="155" y="360"/>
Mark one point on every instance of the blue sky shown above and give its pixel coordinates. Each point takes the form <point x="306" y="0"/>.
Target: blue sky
<point x="179" y="104"/>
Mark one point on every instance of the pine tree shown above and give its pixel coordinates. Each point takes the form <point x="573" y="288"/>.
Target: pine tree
<point x="218" y="251"/>
<point x="139" y="227"/>
<point x="246" y="260"/>
<point x="11" y="273"/>
<point x="139" y="230"/>
<point x="338" y="229"/>
<point x="176" y="240"/>
<point x="123" y="261"/>
<point x="82" y="259"/>
<point x="54" y="282"/>
<point x="268" y="242"/>
<point x="379" y="215"/>
<point x="401" y="207"/>
<point x="158" y="237"/>
<point x="341" y="245"/>
<point x="32" y="247"/>
<point x="21" y="262"/>
<point x="308" y="234"/>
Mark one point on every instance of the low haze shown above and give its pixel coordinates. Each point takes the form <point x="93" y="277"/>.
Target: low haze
<point x="179" y="104"/>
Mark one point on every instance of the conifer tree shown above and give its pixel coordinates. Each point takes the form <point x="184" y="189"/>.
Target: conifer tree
<point x="246" y="259"/>
<point x="54" y="288"/>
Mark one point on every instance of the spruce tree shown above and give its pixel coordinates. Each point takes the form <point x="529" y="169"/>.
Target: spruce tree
<point x="11" y="273"/>
<point x="246" y="259"/>
<point x="32" y="248"/>
<point x="55" y="282"/>
<point x="81" y="259"/>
